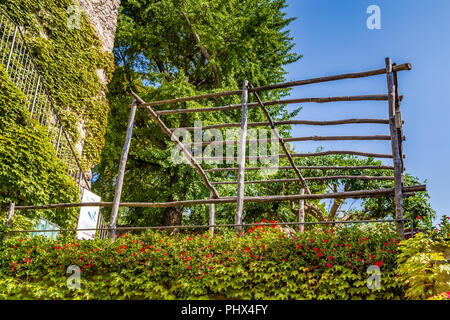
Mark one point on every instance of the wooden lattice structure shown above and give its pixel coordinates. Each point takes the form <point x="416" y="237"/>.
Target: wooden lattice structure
<point x="396" y="137"/>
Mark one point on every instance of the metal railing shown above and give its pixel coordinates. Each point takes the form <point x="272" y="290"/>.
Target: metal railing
<point x="23" y="72"/>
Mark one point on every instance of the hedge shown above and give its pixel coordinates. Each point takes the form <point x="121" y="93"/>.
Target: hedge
<point x="265" y="263"/>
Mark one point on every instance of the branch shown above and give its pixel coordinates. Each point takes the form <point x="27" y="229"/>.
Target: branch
<point x="203" y="50"/>
<point x="162" y="68"/>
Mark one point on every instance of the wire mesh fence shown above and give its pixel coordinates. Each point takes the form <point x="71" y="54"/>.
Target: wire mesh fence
<point x="23" y="72"/>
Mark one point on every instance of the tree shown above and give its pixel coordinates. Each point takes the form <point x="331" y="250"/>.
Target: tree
<point x="172" y="48"/>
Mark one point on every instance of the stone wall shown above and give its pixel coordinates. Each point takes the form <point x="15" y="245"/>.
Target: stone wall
<point x="103" y="15"/>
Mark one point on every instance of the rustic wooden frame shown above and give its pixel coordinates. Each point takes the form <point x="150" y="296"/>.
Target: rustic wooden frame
<point x="396" y="137"/>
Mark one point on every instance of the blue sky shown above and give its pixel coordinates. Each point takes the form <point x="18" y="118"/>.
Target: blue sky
<point x="333" y="37"/>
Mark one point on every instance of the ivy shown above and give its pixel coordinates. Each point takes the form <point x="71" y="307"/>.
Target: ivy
<point x="68" y="59"/>
<point x="30" y="172"/>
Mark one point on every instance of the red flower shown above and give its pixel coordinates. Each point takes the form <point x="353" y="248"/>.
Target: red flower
<point x="12" y="268"/>
<point x="264" y="220"/>
<point x="299" y="247"/>
<point x="199" y="277"/>
<point x="230" y="259"/>
<point x="372" y="256"/>
<point x="315" y="249"/>
<point x="378" y="263"/>
<point x="329" y="265"/>
<point x="319" y="254"/>
<point x="126" y="259"/>
<point x="189" y="267"/>
<point x="330" y="258"/>
<point x="419" y="217"/>
<point x="27" y="260"/>
<point x="311" y="240"/>
<point x="326" y="240"/>
<point x="14" y="263"/>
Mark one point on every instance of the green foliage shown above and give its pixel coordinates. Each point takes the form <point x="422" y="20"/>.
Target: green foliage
<point x="441" y="231"/>
<point x="422" y="267"/>
<point x="263" y="264"/>
<point x="68" y="60"/>
<point x="30" y="172"/>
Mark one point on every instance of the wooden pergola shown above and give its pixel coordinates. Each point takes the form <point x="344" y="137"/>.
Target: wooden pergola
<point x="393" y="120"/>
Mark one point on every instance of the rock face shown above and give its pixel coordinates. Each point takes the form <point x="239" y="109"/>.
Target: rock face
<point x="103" y="15"/>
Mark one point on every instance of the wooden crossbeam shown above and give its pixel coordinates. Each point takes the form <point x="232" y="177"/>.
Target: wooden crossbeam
<point x="325" y="168"/>
<point x="297" y="139"/>
<point x="374" y="97"/>
<point x="304" y="155"/>
<point x="343" y="177"/>
<point x="402" y="67"/>
<point x="289" y="122"/>
<point x="336" y="195"/>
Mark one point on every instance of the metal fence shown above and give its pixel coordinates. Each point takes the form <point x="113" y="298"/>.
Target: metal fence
<point x="22" y="70"/>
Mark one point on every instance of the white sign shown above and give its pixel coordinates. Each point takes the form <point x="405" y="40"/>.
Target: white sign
<point x="88" y="216"/>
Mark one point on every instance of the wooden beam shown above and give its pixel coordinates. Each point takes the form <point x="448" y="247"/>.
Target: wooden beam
<point x="395" y="148"/>
<point x="347" y="194"/>
<point x="186" y="153"/>
<point x="304" y="155"/>
<point x="212" y="216"/>
<point x="290" y="122"/>
<point x="121" y="174"/>
<point x="406" y="66"/>
<point x="241" y="159"/>
<point x="325" y="168"/>
<point x="288" y="180"/>
<point x="296" y="139"/>
<point x="9" y="217"/>
<point x="375" y="97"/>
<point x="283" y="145"/>
<point x="301" y="212"/>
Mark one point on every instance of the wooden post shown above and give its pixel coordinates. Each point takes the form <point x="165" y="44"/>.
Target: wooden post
<point x="301" y="212"/>
<point x="212" y="216"/>
<point x="398" y="196"/>
<point x="241" y="158"/>
<point x="398" y="118"/>
<point x="9" y="217"/>
<point x="120" y="176"/>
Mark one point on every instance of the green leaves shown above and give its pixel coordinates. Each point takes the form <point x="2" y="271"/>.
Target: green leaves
<point x="260" y="265"/>
<point x="30" y="172"/>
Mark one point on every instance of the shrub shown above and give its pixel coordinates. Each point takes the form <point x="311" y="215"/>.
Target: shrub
<point x="264" y="263"/>
<point x="422" y="268"/>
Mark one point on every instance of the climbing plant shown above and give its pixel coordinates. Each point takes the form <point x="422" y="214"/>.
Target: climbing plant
<point x="68" y="58"/>
<point x="30" y="172"/>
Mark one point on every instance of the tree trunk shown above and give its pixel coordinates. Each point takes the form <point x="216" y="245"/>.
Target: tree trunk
<point x="173" y="216"/>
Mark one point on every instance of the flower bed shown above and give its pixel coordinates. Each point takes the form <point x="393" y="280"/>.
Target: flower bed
<point x="263" y="264"/>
